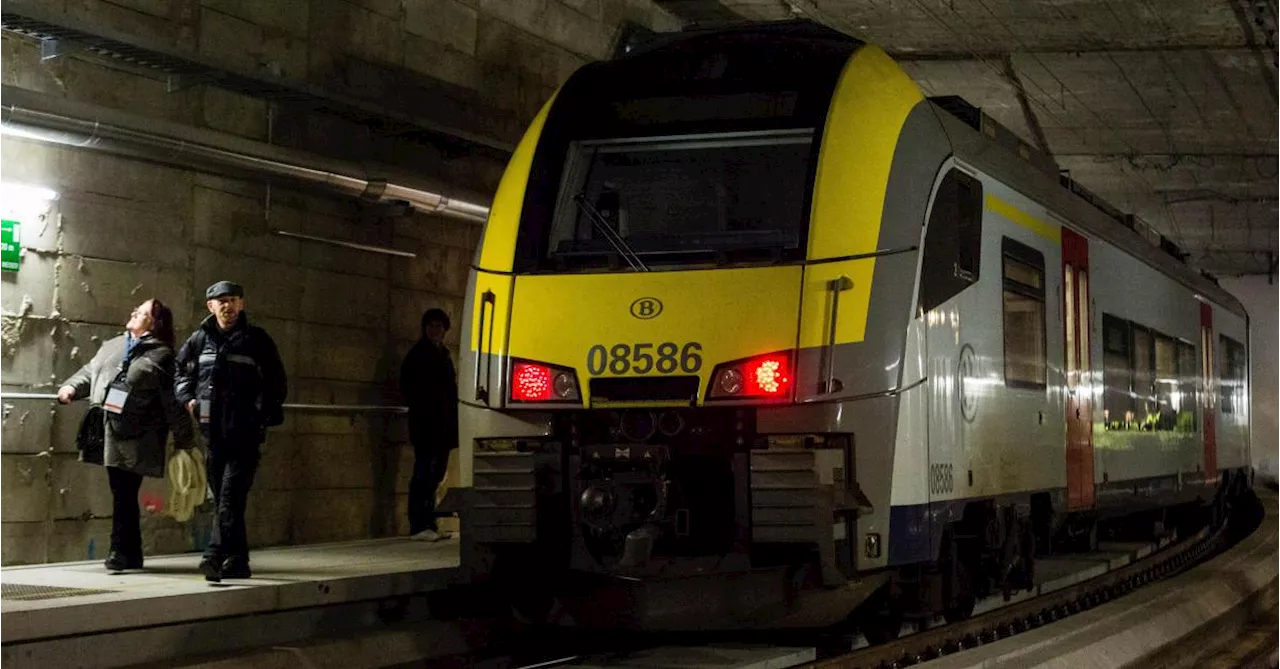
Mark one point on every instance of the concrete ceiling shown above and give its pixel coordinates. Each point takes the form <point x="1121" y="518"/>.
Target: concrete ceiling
<point x="1165" y="108"/>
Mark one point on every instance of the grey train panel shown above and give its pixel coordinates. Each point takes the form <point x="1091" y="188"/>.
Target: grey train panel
<point x="975" y="149"/>
<point x="872" y="369"/>
<point x="985" y="440"/>
<point x="1135" y="292"/>
<point x="872" y="423"/>
<point x="1125" y="264"/>
<point x="922" y="148"/>
<point x="1233" y="428"/>
<point x="873" y="365"/>
<point x="1014" y="438"/>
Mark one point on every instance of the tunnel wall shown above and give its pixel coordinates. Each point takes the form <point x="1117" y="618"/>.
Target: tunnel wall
<point x="124" y="230"/>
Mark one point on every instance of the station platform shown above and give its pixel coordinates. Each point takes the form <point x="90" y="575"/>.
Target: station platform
<point x="63" y="614"/>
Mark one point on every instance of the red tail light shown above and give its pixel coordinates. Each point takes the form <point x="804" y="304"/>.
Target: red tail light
<point x="770" y="375"/>
<point x="530" y="382"/>
<point x="761" y="377"/>
<point x="538" y="382"/>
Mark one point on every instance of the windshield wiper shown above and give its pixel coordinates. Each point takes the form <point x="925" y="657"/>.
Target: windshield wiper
<point x="615" y="240"/>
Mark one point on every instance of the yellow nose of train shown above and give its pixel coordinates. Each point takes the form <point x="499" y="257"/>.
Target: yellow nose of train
<point x="655" y="338"/>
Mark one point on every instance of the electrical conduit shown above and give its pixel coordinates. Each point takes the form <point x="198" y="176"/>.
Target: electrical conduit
<point x="42" y="117"/>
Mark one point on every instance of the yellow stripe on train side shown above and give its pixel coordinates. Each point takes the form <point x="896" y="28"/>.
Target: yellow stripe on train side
<point x="854" y="303"/>
<point x="871" y="103"/>
<point x="498" y="247"/>
<point x="870" y="106"/>
<point x="1043" y="228"/>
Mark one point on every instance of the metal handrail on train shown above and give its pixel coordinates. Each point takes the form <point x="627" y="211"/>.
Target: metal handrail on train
<point x="482" y="389"/>
<point x="835" y="287"/>
<point x="371" y="408"/>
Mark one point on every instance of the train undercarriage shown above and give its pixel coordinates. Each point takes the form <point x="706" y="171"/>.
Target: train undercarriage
<point x="688" y="520"/>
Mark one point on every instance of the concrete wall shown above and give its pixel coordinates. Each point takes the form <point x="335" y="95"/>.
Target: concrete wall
<point x="1261" y="298"/>
<point x="125" y="230"/>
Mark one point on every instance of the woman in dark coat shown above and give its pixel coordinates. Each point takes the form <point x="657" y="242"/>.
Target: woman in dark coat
<point x="131" y="379"/>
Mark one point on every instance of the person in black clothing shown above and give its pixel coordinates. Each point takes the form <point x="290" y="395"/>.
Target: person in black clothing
<point x="232" y="382"/>
<point x="429" y="385"/>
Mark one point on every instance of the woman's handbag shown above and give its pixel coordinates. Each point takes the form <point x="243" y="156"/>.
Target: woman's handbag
<point x="92" y="436"/>
<point x="187" y="483"/>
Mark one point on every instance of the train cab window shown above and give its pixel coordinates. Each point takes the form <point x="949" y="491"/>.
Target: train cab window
<point x="1024" y="316"/>
<point x="694" y="199"/>
<point x="1231" y="386"/>
<point x="953" y="241"/>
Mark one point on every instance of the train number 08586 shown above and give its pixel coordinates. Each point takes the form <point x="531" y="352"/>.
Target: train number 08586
<point x="664" y="358"/>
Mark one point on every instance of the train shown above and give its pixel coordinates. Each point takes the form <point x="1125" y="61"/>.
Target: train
<point x="758" y="335"/>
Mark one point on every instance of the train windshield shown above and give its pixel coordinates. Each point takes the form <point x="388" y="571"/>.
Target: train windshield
<point x="708" y="198"/>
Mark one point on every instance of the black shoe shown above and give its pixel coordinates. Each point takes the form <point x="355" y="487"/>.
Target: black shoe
<point x="236" y="568"/>
<point x="120" y="562"/>
<point x="212" y="569"/>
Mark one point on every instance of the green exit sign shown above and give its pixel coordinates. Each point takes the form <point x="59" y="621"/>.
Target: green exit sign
<point x="10" y="245"/>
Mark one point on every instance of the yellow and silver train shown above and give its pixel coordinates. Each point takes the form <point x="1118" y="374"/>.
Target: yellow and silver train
<point x="757" y="336"/>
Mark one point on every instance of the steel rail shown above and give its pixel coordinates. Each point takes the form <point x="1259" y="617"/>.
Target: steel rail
<point x="1010" y="619"/>
<point x="1018" y="617"/>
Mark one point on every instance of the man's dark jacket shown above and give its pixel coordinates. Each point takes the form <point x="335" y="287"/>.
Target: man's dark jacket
<point x="430" y="386"/>
<point x="239" y="373"/>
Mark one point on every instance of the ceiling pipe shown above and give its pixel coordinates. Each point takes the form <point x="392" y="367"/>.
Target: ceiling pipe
<point x="351" y="245"/>
<point x="32" y="115"/>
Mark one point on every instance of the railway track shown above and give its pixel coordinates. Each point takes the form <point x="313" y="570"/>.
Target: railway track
<point x="1002" y="620"/>
<point x="1017" y="617"/>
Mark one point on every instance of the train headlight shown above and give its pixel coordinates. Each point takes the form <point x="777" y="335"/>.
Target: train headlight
<point x="761" y="377"/>
<point x="540" y="382"/>
<point x="565" y="386"/>
<point x="730" y="381"/>
<point x="638" y="426"/>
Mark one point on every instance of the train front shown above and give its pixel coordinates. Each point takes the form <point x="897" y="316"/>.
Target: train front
<point x="645" y="433"/>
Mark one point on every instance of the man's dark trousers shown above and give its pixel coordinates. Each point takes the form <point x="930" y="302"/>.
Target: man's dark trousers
<point x="230" y="468"/>
<point x="430" y="462"/>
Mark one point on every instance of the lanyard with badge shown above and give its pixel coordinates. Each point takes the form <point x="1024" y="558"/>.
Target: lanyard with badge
<point x="118" y="391"/>
<point x="204" y="407"/>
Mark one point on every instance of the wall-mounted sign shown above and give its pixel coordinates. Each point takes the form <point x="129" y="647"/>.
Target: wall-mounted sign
<point x="10" y="245"/>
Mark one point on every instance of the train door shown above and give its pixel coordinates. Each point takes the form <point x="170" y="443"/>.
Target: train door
<point x="950" y="299"/>
<point x="1209" y="393"/>
<point x="1076" y="326"/>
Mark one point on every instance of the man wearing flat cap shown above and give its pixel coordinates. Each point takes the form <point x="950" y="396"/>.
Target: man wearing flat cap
<point x="232" y="382"/>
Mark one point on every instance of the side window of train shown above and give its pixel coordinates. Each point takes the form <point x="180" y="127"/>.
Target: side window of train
<point x="1024" y="315"/>
<point x="1232" y="372"/>
<point x="1117" y="373"/>
<point x="1149" y="378"/>
<point x="954" y="239"/>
